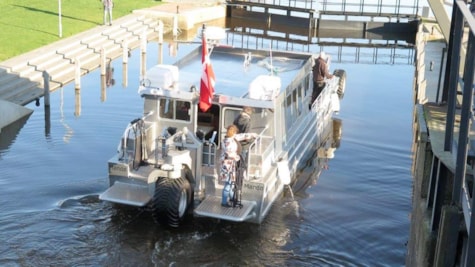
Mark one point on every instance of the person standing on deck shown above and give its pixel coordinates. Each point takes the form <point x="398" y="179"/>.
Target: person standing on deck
<point x="108" y="5"/>
<point x="243" y="123"/>
<point x="230" y="151"/>
<point x="320" y="72"/>
<point x="243" y="120"/>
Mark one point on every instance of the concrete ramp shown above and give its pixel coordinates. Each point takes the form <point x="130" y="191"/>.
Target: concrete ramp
<point x="10" y="112"/>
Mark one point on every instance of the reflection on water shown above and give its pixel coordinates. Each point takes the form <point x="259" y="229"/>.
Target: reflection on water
<point x="68" y="130"/>
<point x="356" y="215"/>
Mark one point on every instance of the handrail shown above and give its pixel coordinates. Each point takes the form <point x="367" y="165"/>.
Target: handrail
<point x="377" y="7"/>
<point x="210" y="153"/>
<point x="122" y="147"/>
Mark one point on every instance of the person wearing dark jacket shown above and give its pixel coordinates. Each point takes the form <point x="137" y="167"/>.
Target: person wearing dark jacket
<point x="320" y="72"/>
<point x="243" y="123"/>
<point x="243" y="120"/>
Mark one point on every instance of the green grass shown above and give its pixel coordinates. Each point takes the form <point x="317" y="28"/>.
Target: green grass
<point x="29" y="24"/>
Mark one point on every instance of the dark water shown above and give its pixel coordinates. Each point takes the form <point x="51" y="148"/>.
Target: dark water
<point x="355" y="214"/>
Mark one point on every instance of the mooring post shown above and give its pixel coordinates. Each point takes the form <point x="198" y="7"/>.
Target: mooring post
<point x="77" y="76"/>
<point x="103" y="61"/>
<point x="77" y="102"/>
<point x="143" y="48"/>
<point x="160" y="42"/>
<point x="47" y="104"/>
<point x="77" y="88"/>
<point x="143" y="41"/>
<point x="46" y="88"/>
<point x="175" y="26"/>
<point x="125" y="60"/>
<point x="125" y="52"/>
<point x="103" y="88"/>
<point x="124" y="75"/>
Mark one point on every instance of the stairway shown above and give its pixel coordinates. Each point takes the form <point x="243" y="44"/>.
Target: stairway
<point x="21" y="78"/>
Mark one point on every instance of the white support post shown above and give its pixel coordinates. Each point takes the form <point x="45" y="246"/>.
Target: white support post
<point x="175" y="26"/>
<point x="160" y="42"/>
<point x="143" y="58"/>
<point x="103" y="61"/>
<point x="77" y="76"/>
<point x="125" y="52"/>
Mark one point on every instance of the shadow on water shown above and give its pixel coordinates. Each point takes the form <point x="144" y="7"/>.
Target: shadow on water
<point x="10" y="132"/>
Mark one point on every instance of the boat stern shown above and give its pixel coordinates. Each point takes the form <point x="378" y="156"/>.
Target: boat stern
<point x="123" y="187"/>
<point x="127" y="194"/>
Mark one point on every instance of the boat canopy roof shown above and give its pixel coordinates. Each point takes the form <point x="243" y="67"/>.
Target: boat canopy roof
<point x="250" y="77"/>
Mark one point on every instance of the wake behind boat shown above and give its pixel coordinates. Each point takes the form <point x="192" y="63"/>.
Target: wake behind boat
<point x="169" y="159"/>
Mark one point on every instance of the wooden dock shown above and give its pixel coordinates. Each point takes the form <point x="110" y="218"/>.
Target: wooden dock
<point x="21" y="77"/>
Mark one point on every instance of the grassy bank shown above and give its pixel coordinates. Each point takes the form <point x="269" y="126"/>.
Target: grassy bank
<point x="30" y="24"/>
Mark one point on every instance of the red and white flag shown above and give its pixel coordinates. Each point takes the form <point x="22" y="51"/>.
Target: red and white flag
<point x="207" y="78"/>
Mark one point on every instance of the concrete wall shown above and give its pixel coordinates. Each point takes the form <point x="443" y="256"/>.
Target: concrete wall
<point x="9" y="113"/>
<point x="421" y="241"/>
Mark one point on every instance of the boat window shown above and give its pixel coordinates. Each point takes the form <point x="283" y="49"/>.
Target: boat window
<point x="175" y="109"/>
<point x="208" y="122"/>
<point x="229" y="115"/>
<point x="309" y="85"/>
<point x="205" y="119"/>
<point x="295" y="110"/>
<point x="288" y="112"/>
<point x="183" y="110"/>
<point x="300" y="98"/>
<point x="166" y="108"/>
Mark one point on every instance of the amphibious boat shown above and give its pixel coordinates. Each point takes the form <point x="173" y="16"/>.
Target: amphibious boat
<point x="169" y="158"/>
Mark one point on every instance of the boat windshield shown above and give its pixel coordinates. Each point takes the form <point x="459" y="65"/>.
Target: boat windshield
<point x="174" y="109"/>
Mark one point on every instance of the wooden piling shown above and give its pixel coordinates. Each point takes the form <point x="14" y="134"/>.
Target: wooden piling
<point x="124" y="75"/>
<point x="125" y="52"/>
<point x="143" y="58"/>
<point x="175" y="26"/>
<point x="103" y="88"/>
<point x="77" y="75"/>
<point x="77" y="102"/>
<point x="160" y="42"/>
<point x="103" y="61"/>
<point x="46" y="88"/>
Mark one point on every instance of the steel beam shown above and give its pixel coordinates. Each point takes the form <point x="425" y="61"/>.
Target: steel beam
<point x="443" y="19"/>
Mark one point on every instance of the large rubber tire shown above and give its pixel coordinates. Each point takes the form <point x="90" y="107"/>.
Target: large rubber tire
<point x="342" y="83"/>
<point x="186" y="172"/>
<point x="170" y="201"/>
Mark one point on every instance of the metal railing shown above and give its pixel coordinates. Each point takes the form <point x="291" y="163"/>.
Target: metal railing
<point x="260" y="154"/>
<point x="395" y="8"/>
<point x="460" y="67"/>
<point x="304" y="4"/>
<point x="384" y="52"/>
<point x="209" y="154"/>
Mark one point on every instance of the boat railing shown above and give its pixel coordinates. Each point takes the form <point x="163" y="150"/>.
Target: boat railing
<point x="261" y="153"/>
<point x="323" y="107"/>
<point x="209" y="154"/>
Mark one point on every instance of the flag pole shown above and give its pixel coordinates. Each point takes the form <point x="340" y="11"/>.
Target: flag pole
<point x="207" y="77"/>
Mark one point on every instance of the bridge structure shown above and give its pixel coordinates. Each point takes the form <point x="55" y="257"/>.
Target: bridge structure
<point x="356" y="31"/>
